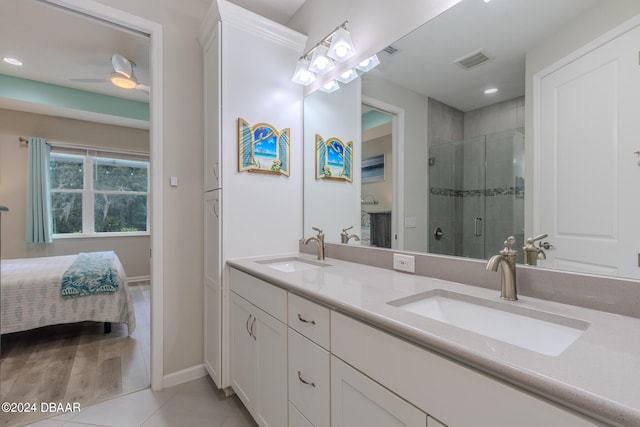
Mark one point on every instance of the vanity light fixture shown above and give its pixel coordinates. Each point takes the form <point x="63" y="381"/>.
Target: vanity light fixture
<point x="347" y="76"/>
<point x="337" y="46"/>
<point x="12" y="61"/>
<point x="332" y="86"/>
<point x="490" y="91"/>
<point x="302" y="75"/>
<point x="342" y="47"/>
<point x="320" y="61"/>
<point x="368" y="64"/>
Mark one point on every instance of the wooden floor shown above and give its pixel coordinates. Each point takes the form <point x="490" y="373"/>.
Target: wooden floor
<point x="75" y="363"/>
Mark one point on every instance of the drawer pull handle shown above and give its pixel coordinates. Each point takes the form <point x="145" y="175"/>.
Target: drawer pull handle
<point x="303" y="320"/>
<point x="303" y="381"/>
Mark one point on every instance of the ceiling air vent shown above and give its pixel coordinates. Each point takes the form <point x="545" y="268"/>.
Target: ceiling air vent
<point x="473" y="59"/>
<point x="390" y="50"/>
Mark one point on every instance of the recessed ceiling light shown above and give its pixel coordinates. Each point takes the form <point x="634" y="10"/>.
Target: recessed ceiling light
<point x="12" y="61"/>
<point x="491" y="90"/>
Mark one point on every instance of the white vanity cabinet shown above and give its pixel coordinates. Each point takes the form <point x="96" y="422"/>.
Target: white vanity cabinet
<point x="449" y="391"/>
<point x="309" y="377"/>
<point x="258" y="340"/>
<point x="359" y="401"/>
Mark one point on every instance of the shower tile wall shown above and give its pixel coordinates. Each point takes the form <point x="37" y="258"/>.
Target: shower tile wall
<point x="445" y="124"/>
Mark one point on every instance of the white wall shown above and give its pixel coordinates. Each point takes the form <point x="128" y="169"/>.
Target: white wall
<point x="373" y="24"/>
<point x="133" y="251"/>
<point x="261" y="213"/>
<point x="332" y="205"/>
<point x="604" y="16"/>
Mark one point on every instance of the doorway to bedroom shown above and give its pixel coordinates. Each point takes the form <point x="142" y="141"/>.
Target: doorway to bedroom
<point x="78" y="361"/>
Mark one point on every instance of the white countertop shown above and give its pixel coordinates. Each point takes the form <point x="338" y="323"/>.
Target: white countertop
<point x="599" y="374"/>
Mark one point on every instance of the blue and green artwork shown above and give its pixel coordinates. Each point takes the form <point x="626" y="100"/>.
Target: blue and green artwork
<point x="334" y="159"/>
<point x="261" y="148"/>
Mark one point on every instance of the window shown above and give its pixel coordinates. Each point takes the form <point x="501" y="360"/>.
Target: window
<point x="98" y="194"/>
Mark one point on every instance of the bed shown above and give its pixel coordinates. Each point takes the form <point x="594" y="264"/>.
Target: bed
<point x="31" y="296"/>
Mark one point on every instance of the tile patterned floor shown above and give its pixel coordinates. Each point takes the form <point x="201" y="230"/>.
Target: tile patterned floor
<point x="196" y="403"/>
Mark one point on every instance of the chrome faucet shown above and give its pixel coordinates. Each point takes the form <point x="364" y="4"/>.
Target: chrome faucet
<point x="507" y="260"/>
<point x="319" y="239"/>
<point x="533" y="254"/>
<point x="345" y="237"/>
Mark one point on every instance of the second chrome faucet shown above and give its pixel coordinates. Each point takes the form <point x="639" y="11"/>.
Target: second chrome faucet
<point x="506" y="260"/>
<point x="319" y="240"/>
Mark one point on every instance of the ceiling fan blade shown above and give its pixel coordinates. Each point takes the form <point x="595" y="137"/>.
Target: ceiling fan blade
<point x="103" y="80"/>
<point x="143" y="88"/>
<point x="122" y="65"/>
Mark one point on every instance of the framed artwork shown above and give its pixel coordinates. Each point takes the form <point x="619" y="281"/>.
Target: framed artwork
<point x="334" y="159"/>
<point x="261" y="148"/>
<point x="373" y="169"/>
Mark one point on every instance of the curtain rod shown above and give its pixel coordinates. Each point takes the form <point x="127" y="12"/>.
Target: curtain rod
<point x="90" y="148"/>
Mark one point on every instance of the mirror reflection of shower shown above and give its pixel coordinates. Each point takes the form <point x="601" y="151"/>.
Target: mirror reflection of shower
<point x="377" y="178"/>
<point x="476" y="184"/>
<point x="476" y="194"/>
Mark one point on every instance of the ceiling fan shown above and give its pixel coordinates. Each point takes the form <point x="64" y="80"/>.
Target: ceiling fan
<point x="122" y="76"/>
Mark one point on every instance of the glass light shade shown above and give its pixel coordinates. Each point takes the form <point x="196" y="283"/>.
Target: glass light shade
<point x="368" y="64"/>
<point x="302" y="75"/>
<point x="121" y="81"/>
<point x="320" y="62"/>
<point x="332" y="86"/>
<point x="342" y="47"/>
<point x="347" y="76"/>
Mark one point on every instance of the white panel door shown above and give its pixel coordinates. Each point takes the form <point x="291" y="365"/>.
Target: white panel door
<point x="589" y="194"/>
<point x="212" y="288"/>
<point x="211" y="70"/>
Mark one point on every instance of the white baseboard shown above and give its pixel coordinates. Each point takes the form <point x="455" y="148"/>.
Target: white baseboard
<point x="138" y="279"/>
<point x="183" y="376"/>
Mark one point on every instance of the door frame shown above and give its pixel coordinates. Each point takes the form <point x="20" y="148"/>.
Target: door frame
<point x="397" y="152"/>
<point x="100" y="11"/>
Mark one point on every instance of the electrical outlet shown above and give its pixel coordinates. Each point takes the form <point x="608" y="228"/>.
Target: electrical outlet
<point x="404" y="263"/>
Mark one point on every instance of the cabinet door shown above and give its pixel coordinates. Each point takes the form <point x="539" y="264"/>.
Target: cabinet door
<point x="271" y="359"/>
<point x="243" y="350"/>
<point x="359" y="401"/>
<point x="212" y="288"/>
<point x="212" y="112"/>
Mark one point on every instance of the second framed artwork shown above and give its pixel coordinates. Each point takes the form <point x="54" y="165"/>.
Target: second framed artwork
<point x="262" y="148"/>
<point x="334" y="159"/>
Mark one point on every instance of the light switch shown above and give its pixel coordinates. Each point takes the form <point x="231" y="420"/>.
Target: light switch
<point x="173" y="181"/>
<point x="409" y="222"/>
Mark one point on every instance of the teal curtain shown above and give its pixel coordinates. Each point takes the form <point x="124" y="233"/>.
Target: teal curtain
<point x="39" y="221"/>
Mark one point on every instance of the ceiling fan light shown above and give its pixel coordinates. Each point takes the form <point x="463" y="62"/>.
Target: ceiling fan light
<point x="122" y="81"/>
<point x="347" y="76"/>
<point x="302" y="75"/>
<point x="368" y="64"/>
<point x="320" y="62"/>
<point x="342" y="47"/>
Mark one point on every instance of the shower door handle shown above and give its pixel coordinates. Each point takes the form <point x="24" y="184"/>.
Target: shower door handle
<point x="477" y="227"/>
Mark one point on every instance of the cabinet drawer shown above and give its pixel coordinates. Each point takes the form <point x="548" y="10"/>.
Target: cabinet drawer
<point x="310" y="319"/>
<point x="309" y="384"/>
<point x="266" y="296"/>
<point x="296" y="419"/>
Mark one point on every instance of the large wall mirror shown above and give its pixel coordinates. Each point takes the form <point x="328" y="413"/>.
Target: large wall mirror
<point x="444" y="136"/>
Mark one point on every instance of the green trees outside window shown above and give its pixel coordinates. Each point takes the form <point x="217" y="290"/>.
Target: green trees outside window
<point x="92" y="195"/>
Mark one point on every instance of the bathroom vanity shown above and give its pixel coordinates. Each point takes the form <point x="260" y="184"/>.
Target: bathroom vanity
<point x="347" y="341"/>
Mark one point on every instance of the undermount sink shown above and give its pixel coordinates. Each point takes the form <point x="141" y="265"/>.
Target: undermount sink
<point x="292" y="264"/>
<point x="542" y="332"/>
